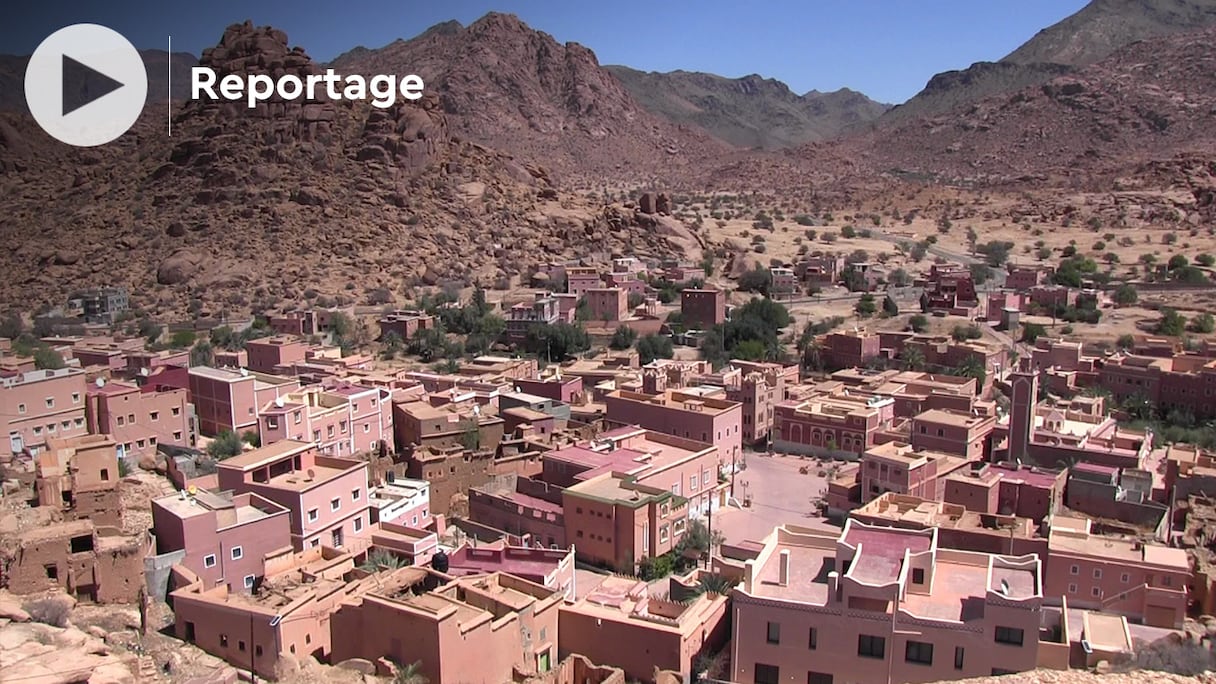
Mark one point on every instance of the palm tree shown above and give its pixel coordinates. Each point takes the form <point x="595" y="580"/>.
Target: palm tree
<point x="914" y="359"/>
<point x="379" y="559"/>
<point x="410" y="674"/>
<point x="714" y="584"/>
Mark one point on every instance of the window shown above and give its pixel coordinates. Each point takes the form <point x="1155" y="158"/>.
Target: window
<point x="359" y="524"/>
<point x="918" y="576"/>
<point x="177" y="435"/>
<point x="342" y="427"/>
<point x="1072" y="588"/>
<point x="138" y="443"/>
<point x="663" y="538"/>
<point x="272" y="424"/>
<point x="296" y="416"/>
<point x="692" y="483"/>
<point x="1125" y="578"/>
<point x="51" y="427"/>
<point x="355" y="494"/>
<point x="818" y="678"/>
<point x="813" y="639"/>
<point x="1074" y="570"/>
<point x="414" y="521"/>
<point x="248" y="581"/>
<point x="154" y="416"/>
<point x="240" y="646"/>
<point x="38" y="431"/>
<point x="175" y="411"/>
<point x="774" y="632"/>
<point x="316" y="435"/>
<point x="1167" y="581"/>
<point x="312" y="515"/>
<point x="705" y="478"/>
<point x="335" y="504"/>
<point x="131" y="418"/>
<point x="209" y="560"/>
<point x="121" y="421"/>
<point x="75" y="397"/>
<point x="1095" y="591"/>
<point x="1097" y="573"/>
<point x="871" y="646"/>
<point x="367" y="428"/>
<point x="675" y="489"/>
<point x="237" y="553"/>
<point x="21" y="408"/>
<point x="105" y="474"/>
<point x="767" y="674"/>
<point x="958" y="657"/>
<point x="329" y="431"/>
<point x="50" y="402"/>
<point x="1009" y="635"/>
<point x="919" y="652"/>
<point x="224" y="640"/>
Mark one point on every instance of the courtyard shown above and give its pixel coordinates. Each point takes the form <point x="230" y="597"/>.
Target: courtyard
<point x="780" y="494"/>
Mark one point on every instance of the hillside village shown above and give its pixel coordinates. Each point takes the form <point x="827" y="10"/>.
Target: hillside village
<point x="632" y="446"/>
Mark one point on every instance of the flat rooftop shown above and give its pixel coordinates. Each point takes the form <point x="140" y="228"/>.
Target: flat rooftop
<point x="1106" y="632"/>
<point x="266" y="455"/>
<point x="881" y="551"/>
<point x="1118" y="548"/>
<point x="519" y="561"/>
<point x="609" y="488"/>
<point x="676" y="399"/>
<point x="947" y="417"/>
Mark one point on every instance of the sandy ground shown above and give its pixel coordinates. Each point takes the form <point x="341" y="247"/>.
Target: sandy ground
<point x="780" y="495"/>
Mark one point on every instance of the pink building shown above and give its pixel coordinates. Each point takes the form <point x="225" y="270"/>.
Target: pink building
<point x="405" y="324"/>
<point x="341" y="420"/>
<point x="566" y="389"/>
<point x="224" y="538"/>
<point x="520" y="318"/>
<point x="904" y="469"/>
<point x="1007" y="489"/>
<point x="681" y="466"/>
<point x="1023" y="278"/>
<point x="965" y="434"/>
<point x="550" y="568"/>
<point x="327" y="497"/>
<point x="523" y="507"/>
<point x="138" y="420"/>
<point x="229" y="399"/>
<point x="711" y="421"/>
<point x="579" y="279"/>
<point x="481" y="628"/>
<point x="404" y="501"/>
<point x="614" y="522"/>
<point x="1145" y="582"/>
<point x="831" y="425"/>
<point x="607" y="304"/>
<point x="623" y="623"/>
<point x="877" y="605"/>
<point x="267" y="354"/>
<point x="39" y="404"/>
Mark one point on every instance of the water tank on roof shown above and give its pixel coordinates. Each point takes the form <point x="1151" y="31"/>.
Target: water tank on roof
<point x="440" y="562"/>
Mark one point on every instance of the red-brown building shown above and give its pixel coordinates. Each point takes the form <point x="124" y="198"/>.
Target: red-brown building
<point x="266" y="355"/>
<point x="702" y="308"/>
<point x="139" y="418"/>
<point x="903" y="469"/>
<point x="229" y="399"/>
<point x="614" y="522"/>
<point x="1007" y="489"/>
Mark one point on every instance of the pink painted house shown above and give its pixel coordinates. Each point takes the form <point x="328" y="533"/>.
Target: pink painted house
<point x="342" y="420"/>
<point x="225" y="538"/>
<point x="139" y="420"/>
<point x="702" y="419"/>
<point x="879" y="604"/>
<point x="267" y="354"/>
<point x="229" y="399"/>
<point x="39" y="404"/>
<point x="327" y="497"/>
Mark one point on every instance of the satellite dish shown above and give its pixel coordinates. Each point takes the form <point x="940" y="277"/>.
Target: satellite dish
<point x="100" y="382"/>
<point x="244" y="372"/>
<point x="278" y="401"/>
<point x="477" y="410"/>
<point x="144" y="372"/>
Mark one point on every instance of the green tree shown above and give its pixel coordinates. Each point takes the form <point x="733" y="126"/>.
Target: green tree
<point x="202" y="354"/>
<point x="707" y="264"/>
<point x="1126" y="341"/>
<point x="556" y="342"/>
<point x="1125" y="295"/>
<point x="866" y="306"/>
<point x="1203" y="323"/>
<point x="427" y="344"/>
<point x="913" y="359"/>
<point x="653" y="347"/>
<point x="962" y="333"/>
<point x="252" y="438"/>
<point x="972" y="367"/>
<point x="980" y="273"/>
<point x="918" y="323"/>
<point x="393" y="345"/>
<point x="225" y="445"/>
<point x="470" y="437"/>
<point x="1172" y="323"/>
<point x="1206" y="260"/>
<point x="1177" y="261"/>
<point x="759" y="280"/>
<point x="46" y="358"/>
<point x="410" y="674"/>
<point x="900" y="278"/>
<point x="1032" y="332"/>
<point x="623" y="337"/>
<point x="182" y="339"/>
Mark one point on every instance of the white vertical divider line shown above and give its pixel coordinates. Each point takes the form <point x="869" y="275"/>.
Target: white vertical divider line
<point x="169" y="87"/>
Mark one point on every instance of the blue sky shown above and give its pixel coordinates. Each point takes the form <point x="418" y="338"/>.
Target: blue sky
<point x="887" y="49"/>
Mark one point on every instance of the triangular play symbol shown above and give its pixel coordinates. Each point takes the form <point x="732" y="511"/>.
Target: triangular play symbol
<point x="83" y="84"/>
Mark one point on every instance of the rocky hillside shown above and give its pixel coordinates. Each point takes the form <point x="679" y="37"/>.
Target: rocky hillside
<point x="157" y="62"/>
<point x="504" y="84"/>
<point x="1151" y="100"/>
<point x="748" y="112"/>
<point x="1091" y="34"/>
<point x="289" y="202"/>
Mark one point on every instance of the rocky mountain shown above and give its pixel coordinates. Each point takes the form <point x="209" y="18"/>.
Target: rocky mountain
<point x="1089" y="35"/>
<point x="748" y="112"/>
<point x="158" y="63"/>
<point x="507" y="85"/>
<point x="289" y="202"/>
<point x="1151" y="100"/>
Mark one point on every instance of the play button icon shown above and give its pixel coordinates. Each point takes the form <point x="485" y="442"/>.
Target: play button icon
<point x="85" y="85"/>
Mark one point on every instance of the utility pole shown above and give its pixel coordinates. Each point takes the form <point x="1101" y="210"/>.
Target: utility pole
<point x="253" y="677"/>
